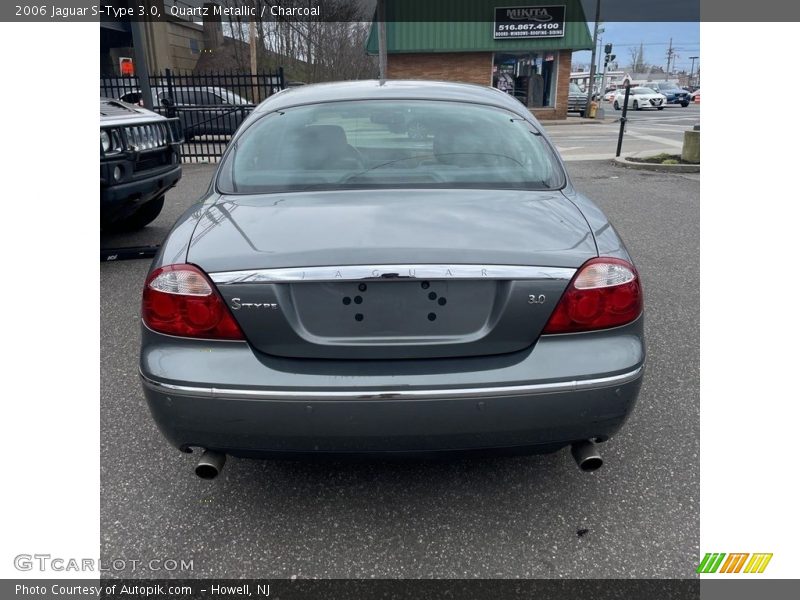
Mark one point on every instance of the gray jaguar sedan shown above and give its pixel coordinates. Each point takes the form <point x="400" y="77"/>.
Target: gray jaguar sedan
<point x="400" y="267"/>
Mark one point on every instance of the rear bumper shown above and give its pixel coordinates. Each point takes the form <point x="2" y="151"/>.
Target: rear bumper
<point x="239" y="423"/>
<point x="225" y="397"/>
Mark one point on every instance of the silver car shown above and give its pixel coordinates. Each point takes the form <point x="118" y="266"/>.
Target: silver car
<point x="342" y="288"/>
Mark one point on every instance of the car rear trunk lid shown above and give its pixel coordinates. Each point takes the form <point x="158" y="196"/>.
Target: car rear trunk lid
<point x="392" y="274"/>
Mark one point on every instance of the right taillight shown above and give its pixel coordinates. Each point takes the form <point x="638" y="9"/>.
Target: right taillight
<point x="605" y="292"/>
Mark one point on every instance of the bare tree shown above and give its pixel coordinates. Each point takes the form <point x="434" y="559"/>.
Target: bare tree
<point x="321" y="51"/>
<point x="637" y="59"/>
<point x="309" y="51"/>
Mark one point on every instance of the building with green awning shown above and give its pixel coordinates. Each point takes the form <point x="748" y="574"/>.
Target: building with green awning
<point x="523" y="47"/>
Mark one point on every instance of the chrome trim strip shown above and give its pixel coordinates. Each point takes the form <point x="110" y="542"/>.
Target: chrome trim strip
<point x="429" y="394"/>
<point x="379" y="272"/>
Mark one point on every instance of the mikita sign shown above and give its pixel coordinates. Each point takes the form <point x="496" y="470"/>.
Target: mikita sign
<point x="529" y="22"/>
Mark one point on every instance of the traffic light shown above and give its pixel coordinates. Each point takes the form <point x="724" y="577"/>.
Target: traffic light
<point x="608" y="48"/>
<point x="610" y="58"/>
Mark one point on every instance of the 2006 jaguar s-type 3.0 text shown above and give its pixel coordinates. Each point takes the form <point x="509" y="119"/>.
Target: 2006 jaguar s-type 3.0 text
<point x="397" y="267"/>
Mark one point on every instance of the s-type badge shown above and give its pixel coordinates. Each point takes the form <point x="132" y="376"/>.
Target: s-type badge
<point x="237" y="304"/>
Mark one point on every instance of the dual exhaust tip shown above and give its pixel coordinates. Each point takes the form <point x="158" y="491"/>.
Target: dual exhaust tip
<point x="585" y="454"/>
<point x="210" y="464"/>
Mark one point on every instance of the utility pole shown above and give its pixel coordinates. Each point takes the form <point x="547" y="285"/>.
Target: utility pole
<point x="254" y="55"/>
<point x="608" y="58"/>
<point x="142" y="66"/>
<point x="600" y="33"/>
<point x="382" y="39"/>
<point x="594" y="60"/>
<point x="669" y="56"/>
<point x="691" y="72"/>
<point x="253" y="49"/>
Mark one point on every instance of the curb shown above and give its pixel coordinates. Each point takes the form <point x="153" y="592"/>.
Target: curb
<point x="575" y="121"/>
<point x="621" y="161"/>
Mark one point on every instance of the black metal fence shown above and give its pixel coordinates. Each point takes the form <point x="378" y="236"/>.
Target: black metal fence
<point x="210" y="106"/>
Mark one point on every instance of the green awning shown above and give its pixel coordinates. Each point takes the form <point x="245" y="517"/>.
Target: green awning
<point x="473" y="32"/>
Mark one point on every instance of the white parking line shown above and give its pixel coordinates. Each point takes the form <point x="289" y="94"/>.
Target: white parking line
<point x="655" y="138"/>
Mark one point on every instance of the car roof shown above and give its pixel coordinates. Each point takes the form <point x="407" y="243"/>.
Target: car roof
<point x="393" y="89"/>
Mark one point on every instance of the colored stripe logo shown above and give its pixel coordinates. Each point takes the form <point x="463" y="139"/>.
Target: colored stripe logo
<point x="737" y="562"/>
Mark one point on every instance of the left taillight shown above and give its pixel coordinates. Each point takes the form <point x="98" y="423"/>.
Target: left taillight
<point x="180" y="300"/>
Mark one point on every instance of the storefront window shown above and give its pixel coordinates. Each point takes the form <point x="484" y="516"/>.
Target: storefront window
<point x="528" y="76"/>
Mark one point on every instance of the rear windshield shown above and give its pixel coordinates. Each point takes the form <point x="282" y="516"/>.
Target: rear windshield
<point x="389" y="144"/>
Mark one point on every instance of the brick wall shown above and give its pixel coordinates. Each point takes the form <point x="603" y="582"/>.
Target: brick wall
<point x="466" y="67"/>
<point x="474" y="67"/>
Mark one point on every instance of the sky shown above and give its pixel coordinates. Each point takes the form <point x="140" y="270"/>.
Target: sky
<point x="655" y="36"/>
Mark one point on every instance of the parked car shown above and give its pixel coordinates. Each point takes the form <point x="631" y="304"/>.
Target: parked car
<point x="611" y="94"/>
<point x="577" y="99"/>
<point x="695" y="96"/>
<point x="334" y="291"/>
<point x="671" y="92"/>
<point x="639" y="98"/>
<point x="139" y="162"/>
<point x="202" y="110"/>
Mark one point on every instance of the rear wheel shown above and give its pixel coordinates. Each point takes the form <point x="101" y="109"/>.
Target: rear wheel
<point x="635" y="105"/>
<point x="145" y="215"/>
<point x="616" y="105"/>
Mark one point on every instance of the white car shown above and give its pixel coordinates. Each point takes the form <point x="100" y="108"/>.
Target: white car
<point x="639" y="98"/>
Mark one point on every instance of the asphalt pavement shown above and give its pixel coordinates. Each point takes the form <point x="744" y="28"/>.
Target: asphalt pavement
<point x="525" y="517"/>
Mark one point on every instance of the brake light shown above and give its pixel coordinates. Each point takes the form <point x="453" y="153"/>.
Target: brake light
<point x="605" y="292"/>
<point x="180" y="300"/>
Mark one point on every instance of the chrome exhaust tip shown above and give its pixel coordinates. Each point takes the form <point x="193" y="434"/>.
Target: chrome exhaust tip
<point x="210" y="464"/>
<point x="586" y="456"/>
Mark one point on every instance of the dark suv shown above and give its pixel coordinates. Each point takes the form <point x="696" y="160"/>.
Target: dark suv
<point x="673" y="93"/>
<point x="139" y="162"/>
